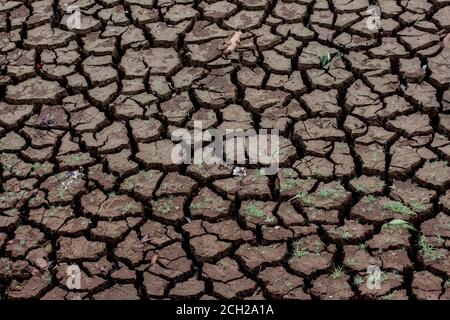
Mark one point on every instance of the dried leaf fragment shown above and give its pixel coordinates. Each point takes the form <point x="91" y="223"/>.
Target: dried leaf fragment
<point x="232" y="43"/>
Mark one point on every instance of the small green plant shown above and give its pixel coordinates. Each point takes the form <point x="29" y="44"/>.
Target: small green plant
<point x="165" y="208"/>
<point x="326" y="193"/>
<point x="7" y="268"/>
<point x="325" y="60"/>
<point x="417" y="207"/>
<point x="221" y="209"/>
<point x="162" y="206"/>
<point x="387" y="297"/>
<point x="303" y="197"/>
<point x="76" y="158"/>
<point x="358" y="280"/>
<point x="345" y="235"/>
<point x="339" y="186"/>
<point x="47" y="248"/>
<point x="317" y="246"/>
<point x="363" y="246"/>
<point x="253" y="211"/>
<point x="223" y="264"/>
<point x="384" y="277"/>
<point x="147" y="175"/>
<point x="371" y="198"/>
<point x="398" y="207"/>
<point x="208" y="200"/>
<point x="337" y="272"/>
<point x="194" y="206"/>
<point x="399" y="224"/>
<point x="447" y="283"/>
<point x="128" y="185"/>
<point x="298" y="252"/>
<point x="350" y="262"/>
<point x="438" y="238"/>
<point x="128" y="208"/>
<point x="289" y="184"/>
<point x="289" y="172"/>
<point x="61" y="193"/>
<point x="428" y="252"/>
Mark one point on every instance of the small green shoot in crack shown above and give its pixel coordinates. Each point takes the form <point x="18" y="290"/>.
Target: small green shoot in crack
<point x="61" y="193"/>
<point x="128" y="208"/>
<point x="326" y="193"/>
<point x="428" y="252"/>
<point x="317" y="246"/>
<point x="363" y="246"/>
<point x="35" y="166"/>
<point x="289" y="184"/>
<point x="221" y="209"/>
<point x="289" y="172"/>
<point x="438" y="238"/>
<point x="339" y="186"/>
<point x="76" y="158"/>
<point x="128" y="185"/>
<point x="417" y="207"/>
<point x="384" y="277"/>
<point x="298" y="252"/>
<point x="447" y="283"/>
<point x="162" y="206"/>
<point x="358" y="280"/>
<point x="208" y="200"/>
<point x="399" y="224"/>
<point x="303" y="197"/>
<point x="337" y="272"/>
<point x="325" y="60"/>
<point x="165" y="208"/>
<point x="350" y="262"/>
<point x="194" y="206"/>
<point x="147" y="175"/>
<point x="398" y="207"/>
<point x="253" y="211"/>
<point x="345" y="235"/>
<point x="223" y="264"/>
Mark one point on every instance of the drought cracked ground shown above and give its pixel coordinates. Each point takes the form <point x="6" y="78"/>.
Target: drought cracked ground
<point x="86" y="178"/>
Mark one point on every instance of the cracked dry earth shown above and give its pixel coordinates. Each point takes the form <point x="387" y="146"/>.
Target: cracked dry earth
<point x="86" y="177"/>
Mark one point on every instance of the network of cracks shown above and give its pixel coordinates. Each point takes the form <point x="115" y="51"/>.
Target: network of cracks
<point x="86" y="117"/>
